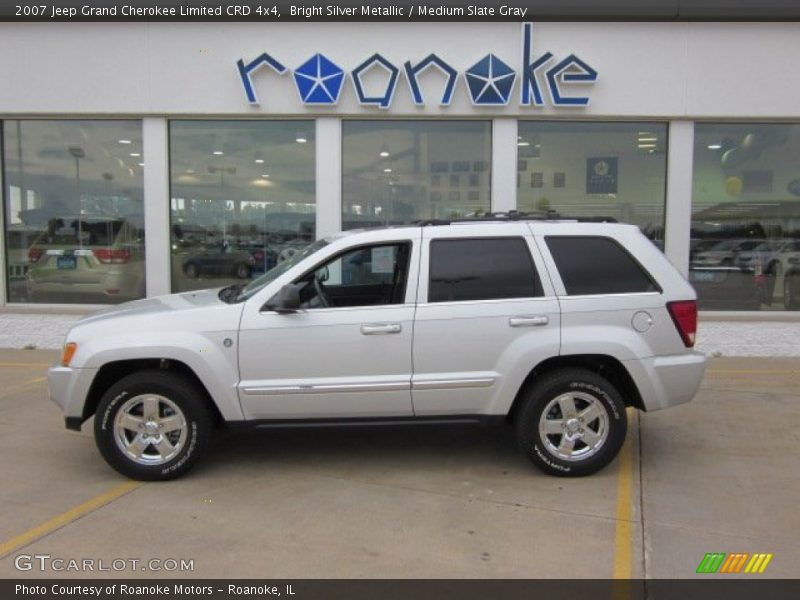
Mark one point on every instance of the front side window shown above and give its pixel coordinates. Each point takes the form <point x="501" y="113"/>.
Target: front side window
<point x="595" y="169"/>
<point x="597" y="265"/>
<point x="402" y="171"/>
<point x="745" y="236"/>
<point x="242" y="198"/>
<point x="481" y="269"/>
<point x="364" y="276"/>
<point x="74" y="211"/>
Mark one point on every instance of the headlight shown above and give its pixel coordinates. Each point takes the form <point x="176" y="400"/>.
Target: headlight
<point x="68" y="353"/>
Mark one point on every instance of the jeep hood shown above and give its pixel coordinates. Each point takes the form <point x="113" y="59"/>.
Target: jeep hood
<point x="160" y="305"/>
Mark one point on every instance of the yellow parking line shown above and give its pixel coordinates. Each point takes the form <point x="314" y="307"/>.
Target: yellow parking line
<point x="14" y="365"/>
<point x="15" y="388"/>
<point x="67" y="517"/>
<point x="622" y="538"/>
<point x="755" y="371"/>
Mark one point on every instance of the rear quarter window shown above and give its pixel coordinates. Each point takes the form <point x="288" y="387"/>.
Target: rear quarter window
<point x="592" y="265"/>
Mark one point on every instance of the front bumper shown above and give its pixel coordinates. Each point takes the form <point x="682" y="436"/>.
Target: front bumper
<point x="68" y="388"/>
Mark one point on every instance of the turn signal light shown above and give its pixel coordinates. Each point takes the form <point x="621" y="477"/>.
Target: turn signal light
<point x="69" y="352"/>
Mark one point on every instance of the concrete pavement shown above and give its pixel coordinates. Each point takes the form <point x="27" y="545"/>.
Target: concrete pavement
<point x="715" y="475"/>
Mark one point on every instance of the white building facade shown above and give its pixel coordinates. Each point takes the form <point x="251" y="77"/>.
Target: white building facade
<point x="141" y="159"/>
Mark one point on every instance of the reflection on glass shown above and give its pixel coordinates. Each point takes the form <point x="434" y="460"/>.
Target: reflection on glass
<point x="74" y="211"/>
<point x="745" y="239"/>
<point x="242" y="198"/>
<point x="401" y="171"/>
<point x="595" y="169"/>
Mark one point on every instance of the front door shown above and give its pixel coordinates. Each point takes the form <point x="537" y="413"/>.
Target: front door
<point x="346" y="353"/>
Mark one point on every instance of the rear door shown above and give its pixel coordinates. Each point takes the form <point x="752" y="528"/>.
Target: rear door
<point x="486" y="315"/>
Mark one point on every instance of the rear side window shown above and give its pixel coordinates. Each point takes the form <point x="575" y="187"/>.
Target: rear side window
<point x="481" y="269"/>
<point x="597" y="265"/>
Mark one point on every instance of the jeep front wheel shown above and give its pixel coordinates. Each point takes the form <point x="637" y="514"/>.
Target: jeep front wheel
<point x="152" y="425"/>
<point x="572" y="423"/>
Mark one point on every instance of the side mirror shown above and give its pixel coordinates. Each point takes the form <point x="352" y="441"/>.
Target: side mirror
<point x="287" y="300"/>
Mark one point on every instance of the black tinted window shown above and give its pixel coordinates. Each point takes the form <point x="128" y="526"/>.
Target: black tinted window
<point x="597" y="265"/>
<point x="481" y="269"/>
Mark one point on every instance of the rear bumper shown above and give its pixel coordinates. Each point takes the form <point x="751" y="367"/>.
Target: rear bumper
<point x="665" y="381"/>
<point x="68" y="389"/>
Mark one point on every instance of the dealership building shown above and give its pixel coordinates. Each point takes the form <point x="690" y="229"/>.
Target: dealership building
<point x="144" y="158"/>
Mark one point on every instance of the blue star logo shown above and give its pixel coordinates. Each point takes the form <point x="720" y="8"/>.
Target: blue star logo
<point x="319" y="81"/>
<point x="490" y="81"/>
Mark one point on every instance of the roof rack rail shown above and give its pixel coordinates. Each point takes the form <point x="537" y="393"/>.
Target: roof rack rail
<point x="513" y="215"/>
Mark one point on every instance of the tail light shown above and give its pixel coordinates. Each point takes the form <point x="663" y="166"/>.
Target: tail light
<point x="684" y="315"/>
<point x="112" y="256"/>
<point x="34" y="254"/>
<point x="258" y="255"/>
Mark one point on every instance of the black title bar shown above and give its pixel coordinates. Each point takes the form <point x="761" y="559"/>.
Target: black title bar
<point x="409" y="589"/>
<point x="399" y="10"/>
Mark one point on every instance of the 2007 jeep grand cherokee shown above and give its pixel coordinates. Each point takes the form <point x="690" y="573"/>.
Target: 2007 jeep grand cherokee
<point x="554" y="325"/>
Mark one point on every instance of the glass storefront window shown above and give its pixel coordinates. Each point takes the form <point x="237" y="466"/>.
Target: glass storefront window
<point x="74" y="213"/>
<point x="594" y="169"/>
<point x="745" y="237"/>
<point x="243" y="198"/>
<point x="401" y="171"/>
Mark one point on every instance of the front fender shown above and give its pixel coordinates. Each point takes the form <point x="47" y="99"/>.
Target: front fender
<point x="206" y="354"/>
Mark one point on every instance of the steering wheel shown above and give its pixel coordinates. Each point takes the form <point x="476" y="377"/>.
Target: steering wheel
<point x="323" y="300"/>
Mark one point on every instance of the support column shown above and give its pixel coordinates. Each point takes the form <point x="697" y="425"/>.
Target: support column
<point x="156" y="205"/>
<point x="678" y="217"/>
<point x="504" y="165"/>
<point x="329" y="176"/>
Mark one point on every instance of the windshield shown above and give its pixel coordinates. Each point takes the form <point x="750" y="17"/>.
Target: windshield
<point x="258" y="284"/>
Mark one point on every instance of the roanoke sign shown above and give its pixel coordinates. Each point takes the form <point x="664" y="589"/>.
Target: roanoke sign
<point x="489" y="82"/>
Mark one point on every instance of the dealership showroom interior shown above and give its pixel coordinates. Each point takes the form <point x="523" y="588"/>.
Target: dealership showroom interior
<point x="142" y="158"/>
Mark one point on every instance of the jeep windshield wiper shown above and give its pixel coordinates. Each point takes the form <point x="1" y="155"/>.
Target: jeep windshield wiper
<point x="230" y="293"/>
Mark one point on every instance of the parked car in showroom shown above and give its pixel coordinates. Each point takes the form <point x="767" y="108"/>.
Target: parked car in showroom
<point x="220" y="259"/>
<point x="87" y="259"/>
<point x="725" y="253"/>
<point x="769" y="261"/>
<point x="553" y="325"/>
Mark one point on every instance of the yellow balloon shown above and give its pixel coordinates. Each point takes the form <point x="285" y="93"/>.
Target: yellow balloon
<point x="733" y="186"/>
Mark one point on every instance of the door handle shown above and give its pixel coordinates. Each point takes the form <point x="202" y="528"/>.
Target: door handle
<point x="381" y="328"/>
<point x="528" y="321"/>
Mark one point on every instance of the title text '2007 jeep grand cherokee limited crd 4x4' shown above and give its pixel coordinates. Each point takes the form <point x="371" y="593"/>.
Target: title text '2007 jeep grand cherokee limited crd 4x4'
<point x="551" y="324"/>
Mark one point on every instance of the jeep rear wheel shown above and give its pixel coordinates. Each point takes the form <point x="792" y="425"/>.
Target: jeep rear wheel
<point x="572" y="423"/>
<point x="152" y="425"/>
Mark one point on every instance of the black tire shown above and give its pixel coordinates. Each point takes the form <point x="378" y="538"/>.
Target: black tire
<point x="590" y="390"/>
<point x="771" y="276"/>
<point x="242" y="271"/>
<point x="191" y="270"/>
<point x="177" y="390"/>
<point x="791" y="292"/>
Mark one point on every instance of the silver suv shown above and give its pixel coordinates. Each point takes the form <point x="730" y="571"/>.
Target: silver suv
<point x="553" y="325"/>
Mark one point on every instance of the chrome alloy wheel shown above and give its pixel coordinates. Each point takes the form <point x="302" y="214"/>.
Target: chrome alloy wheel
<point x="574" y="426"/>
<point x="150" y="429"/>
